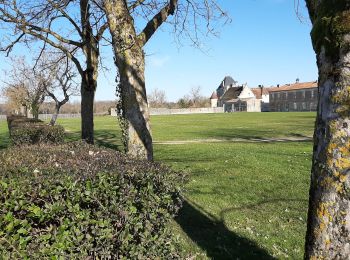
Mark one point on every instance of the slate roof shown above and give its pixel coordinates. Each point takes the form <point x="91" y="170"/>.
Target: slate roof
<point x="228" y="81"/>
<point x="232" y="93"/>
<point x="295" y="86"/>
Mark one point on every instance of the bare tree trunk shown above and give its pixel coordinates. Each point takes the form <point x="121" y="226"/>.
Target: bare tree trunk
<point x="35" y="111"/>
<point x="129" y="59"/>
<point x="87" y="111"/>
<point x="328" y="230"/>
<point x="54" y="116"/>
<point x="135" y="106"/>
<point x="89" y="77"/>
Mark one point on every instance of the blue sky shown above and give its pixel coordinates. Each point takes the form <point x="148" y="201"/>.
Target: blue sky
<point x="264" y="44"/>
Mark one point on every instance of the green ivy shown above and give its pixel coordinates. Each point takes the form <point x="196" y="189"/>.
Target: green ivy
<point x="75" y="201"/>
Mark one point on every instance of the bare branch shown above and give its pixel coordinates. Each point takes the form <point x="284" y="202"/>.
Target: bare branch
<point x="135" y="4"/>
<point x="157" y="21"/>
<point x="9" y="48"/>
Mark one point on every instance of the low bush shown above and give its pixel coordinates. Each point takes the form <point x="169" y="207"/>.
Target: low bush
<point x="17" y="121"/>
<point x="25" y="131"/>
<point x="76" y="201"/>
<point x="36" y="133"/>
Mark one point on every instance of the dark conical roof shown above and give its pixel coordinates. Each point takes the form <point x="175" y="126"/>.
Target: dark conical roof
<point x="228" y="80"/>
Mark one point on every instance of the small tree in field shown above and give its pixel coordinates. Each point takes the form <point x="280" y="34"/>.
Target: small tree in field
<point x="329" y="204"/>
<point x="157" y="98"/>
<point x="63" y="81"/>
<point x="25" y="87"/>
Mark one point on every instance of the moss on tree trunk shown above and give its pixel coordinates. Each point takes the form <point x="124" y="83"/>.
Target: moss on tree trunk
<point x="328" y="231"/>
<point x="130" y="60"/>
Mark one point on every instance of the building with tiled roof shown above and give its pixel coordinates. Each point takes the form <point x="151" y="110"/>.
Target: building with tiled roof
<point x="294" y="86"/>
<point x="294" y="97"/>
<point x="261" y="92"/>
<point x="235" y="98"/>
<point x="298" y="96"/>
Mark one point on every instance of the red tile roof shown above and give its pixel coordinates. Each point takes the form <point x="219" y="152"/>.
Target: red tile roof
<point x="295" y="86"/>
<point x="257" y="92"/>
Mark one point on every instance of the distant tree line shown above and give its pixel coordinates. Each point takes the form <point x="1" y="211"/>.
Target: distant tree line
<point x="157" y="99"/>
<point x="72" y="107"/>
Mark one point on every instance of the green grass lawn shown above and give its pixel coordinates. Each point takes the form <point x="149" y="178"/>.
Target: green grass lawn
<point x="243" y="200"/>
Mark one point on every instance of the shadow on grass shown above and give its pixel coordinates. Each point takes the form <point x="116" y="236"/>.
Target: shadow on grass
<point x="103" y="138"/>
<point x="252" y="135"/>
<point x="4" y="141"/>
<point x="107" y="139"/>
<point x="211" y="234"/>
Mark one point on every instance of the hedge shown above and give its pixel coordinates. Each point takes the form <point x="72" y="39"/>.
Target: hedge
<point x="25" y="131"/>
<point x="18" y="121"/>
<point x="34" y="133"/>
<point x="76" y="201"/>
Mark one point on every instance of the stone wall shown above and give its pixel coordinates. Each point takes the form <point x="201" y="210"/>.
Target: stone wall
<point x="181" y="111"/>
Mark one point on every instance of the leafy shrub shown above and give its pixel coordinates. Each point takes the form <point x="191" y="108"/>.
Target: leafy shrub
<point x="76" y="201"/>
<point x="18" y="121"/>
<point x="24" y="131"/>
<point x="37" y="133"/>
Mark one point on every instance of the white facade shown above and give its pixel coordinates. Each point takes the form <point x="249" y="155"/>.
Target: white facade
<point x="265" y="98"/>
<point x="246" y="93"/>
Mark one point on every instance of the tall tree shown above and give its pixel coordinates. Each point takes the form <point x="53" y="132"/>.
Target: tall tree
<point x="73" y="27"/>
<point x="128" y="42"/>
<point x="328" y="230"/>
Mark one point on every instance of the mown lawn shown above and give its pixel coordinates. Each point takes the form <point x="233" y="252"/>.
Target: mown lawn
<point x="244" y="200"/>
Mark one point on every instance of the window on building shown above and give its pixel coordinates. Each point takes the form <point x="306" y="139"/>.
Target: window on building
<point x="303" y="105"/>
<point x="286" y="107"/>
<point x="295" y="107"/>
<point x="313" y="106"/>
<point x="278" y="95"/>
<point x="303" y="93"/>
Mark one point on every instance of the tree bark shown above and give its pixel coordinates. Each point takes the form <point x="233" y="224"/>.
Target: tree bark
<point x="130" y="60"/>
<point x="35" y="111"/>
<point x="89" y="76"/>
<point x="328" y="228"/>
<point x="135" y="105"/>
<point x="54" y="116"/>
<point x="87" y="111"/>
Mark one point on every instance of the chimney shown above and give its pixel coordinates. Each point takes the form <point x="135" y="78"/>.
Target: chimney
<point x="278" y="85"/>
<point x="297" y="80"/>
<point x="261" y="89"/>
